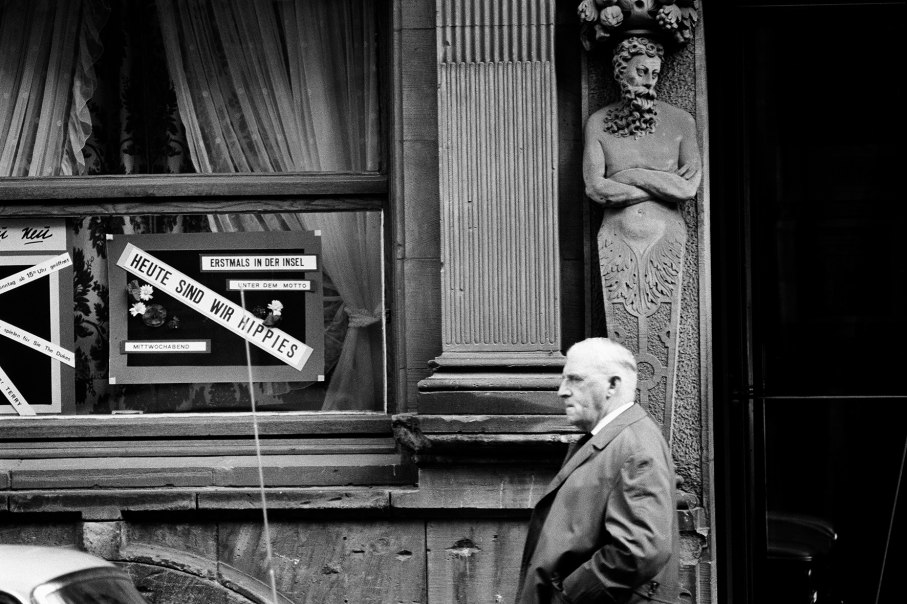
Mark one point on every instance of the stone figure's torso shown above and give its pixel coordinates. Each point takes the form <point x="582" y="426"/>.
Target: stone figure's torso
<point x="642" y="224"/>
<point x="659" y="150"/>
<point x="641" y="253"/>
<point x="645" y="227"/>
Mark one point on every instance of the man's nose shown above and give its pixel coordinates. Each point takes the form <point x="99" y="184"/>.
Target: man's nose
<point x="563" y="391"/>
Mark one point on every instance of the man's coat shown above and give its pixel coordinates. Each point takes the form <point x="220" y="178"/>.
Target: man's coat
<point x="605" y="528"/>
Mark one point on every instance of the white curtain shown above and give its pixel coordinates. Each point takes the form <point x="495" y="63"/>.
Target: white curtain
<point x="291" y="86"/>
<point x="47" y="53"/>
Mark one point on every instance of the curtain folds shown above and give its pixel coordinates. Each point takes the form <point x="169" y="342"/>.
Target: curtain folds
<point x="283" y="87"/>
<point x="292" y="87"/>
<point x="47" y="55"/>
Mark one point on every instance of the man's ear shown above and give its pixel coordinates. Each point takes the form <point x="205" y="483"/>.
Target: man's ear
<point x="614" y="383"/>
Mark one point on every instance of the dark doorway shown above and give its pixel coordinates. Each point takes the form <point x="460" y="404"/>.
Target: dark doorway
<point x="810" y="291"/>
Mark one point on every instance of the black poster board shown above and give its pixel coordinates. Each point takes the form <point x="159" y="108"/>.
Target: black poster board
<point x="175" y="341"/>
<point x="41" y="307"/>
<point x="29" y="370"/>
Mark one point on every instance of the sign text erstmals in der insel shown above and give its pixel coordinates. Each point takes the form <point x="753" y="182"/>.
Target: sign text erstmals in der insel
<point x="259" y="262"/>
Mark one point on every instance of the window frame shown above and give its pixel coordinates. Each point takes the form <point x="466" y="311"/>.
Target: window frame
<point x="71" y="196"/>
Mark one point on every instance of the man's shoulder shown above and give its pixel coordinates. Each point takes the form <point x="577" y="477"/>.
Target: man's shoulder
<point x="642" y="434"/>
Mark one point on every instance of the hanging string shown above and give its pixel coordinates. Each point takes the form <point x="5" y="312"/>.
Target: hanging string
<point x="894" y="510"/>
<point x="269" y="557"/>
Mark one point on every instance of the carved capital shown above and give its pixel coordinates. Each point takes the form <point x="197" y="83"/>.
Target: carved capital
<point x="670" y="21"/>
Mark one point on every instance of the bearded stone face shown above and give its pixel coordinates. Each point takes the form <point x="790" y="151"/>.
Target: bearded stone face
<point x="637" y="79"/>
<point x="637" y="83"/>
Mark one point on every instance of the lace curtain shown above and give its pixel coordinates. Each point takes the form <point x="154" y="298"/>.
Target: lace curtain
<point x="47" y="52"/>
<point x="261" y="86"/>
<point x="292" y="89"/>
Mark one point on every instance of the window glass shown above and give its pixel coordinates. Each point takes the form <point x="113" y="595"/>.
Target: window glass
<point x="140" y="342"/>
<point x="119" y="87"/>
<point x="171" y="86"/>
<point x="103" y="590"/>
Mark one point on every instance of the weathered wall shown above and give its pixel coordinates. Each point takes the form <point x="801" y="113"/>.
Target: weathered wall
<point x="457" y="538"/>
<point x="327" y="559"/>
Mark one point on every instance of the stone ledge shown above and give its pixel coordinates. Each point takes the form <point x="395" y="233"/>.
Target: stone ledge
<point x="367" y="498"/>
<point x="190" y="426"/>
<point x="483" y="438"/>
<point x="500" y="493"/>
<point x="109" y="504"/>
<point x="102" y="504"/>
<point x="198" y="472"/>
<point x="486" y="424"/>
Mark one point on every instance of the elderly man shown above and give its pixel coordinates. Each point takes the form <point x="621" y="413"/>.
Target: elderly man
<point x="604" y="531"/>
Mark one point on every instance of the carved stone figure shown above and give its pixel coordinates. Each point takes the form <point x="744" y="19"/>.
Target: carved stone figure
<point x="640" y="161"/>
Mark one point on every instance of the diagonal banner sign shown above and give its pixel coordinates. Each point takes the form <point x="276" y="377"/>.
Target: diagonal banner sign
<point x="219" y="309"/>
<point x="13" y="395"/>
<point x="36" y="272"/>
<point x="37" y="343"/>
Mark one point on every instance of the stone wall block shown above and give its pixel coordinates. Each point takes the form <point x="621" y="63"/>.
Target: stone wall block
<point x="103" y="538"/>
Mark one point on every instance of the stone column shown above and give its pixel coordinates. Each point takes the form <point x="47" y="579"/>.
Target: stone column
<point x="497" y="131"/>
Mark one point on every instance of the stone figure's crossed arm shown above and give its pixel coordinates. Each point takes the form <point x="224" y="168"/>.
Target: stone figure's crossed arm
<point x="667" y="186"/>
<point x="677" y="186"/>
<point x="641" y="184"/>
<point x="606" y="191"/>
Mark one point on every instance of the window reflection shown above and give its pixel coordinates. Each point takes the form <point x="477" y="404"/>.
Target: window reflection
<point x="352" y="316"/>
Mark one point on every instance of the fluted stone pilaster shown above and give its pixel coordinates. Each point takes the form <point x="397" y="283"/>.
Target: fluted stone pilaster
<point x="498" y="176"/>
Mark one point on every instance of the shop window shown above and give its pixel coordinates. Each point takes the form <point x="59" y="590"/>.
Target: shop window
<point x="110" y="105"/>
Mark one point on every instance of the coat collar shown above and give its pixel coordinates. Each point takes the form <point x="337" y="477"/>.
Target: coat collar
<point x="596" y="444"/>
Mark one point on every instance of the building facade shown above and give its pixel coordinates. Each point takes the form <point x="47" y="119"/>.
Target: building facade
<point x="435" y="151"/>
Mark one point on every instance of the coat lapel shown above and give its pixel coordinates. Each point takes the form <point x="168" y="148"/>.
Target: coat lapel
<point x="596" y="444"/>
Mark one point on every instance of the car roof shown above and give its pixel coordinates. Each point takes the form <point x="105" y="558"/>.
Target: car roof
<point x="24" y="567"/>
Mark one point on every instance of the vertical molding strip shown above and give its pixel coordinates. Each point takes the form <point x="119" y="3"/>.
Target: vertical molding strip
<point x="498" y="177"/>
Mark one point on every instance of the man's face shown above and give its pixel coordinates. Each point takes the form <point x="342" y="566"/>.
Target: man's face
<point x="640" y="77"/>
<point x="583" y="389"/>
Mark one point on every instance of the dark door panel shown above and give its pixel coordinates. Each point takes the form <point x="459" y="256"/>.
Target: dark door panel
<point x="810" y="253"/>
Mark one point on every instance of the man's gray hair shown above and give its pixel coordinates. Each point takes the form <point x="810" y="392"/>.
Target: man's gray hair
<point x="610" y="357"/>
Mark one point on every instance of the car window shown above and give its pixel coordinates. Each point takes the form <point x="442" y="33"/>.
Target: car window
<point x="98" y="590"/>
